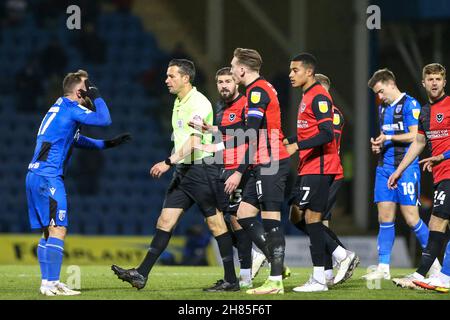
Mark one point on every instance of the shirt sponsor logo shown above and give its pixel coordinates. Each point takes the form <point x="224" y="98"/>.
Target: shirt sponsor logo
<point x="302" y="124"/>
<point x="255" y="97"/>
<point x="437" y="134"/>
<point x="440" y="117"/>
<point x="392" y="126"/>
<point x="323" y="106"/>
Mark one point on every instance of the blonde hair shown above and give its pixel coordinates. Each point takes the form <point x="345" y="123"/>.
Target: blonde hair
<point x="323" y="79"/>
<point x="434" y="68"/>
<point x="72" y="79"/>
<point x="250" y="58"/>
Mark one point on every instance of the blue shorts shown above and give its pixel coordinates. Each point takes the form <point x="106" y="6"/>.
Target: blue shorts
<point x="408" y="191"/>
<point x="47" y="201"/>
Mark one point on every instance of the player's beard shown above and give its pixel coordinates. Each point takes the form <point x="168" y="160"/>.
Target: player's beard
<point x="226" y="95"/>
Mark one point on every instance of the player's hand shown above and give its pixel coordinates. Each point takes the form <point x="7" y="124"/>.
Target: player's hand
<point x="291" y="148"/>
<point x="117" y="141"/>
<point x="91" y="91"/>
<point x="429" y="163"/>
<point x="380" y="140"/>
<point x="202" y="126"/>
<point x="376" y="148"/>
<point x="211" y="148"/>
<point x="233" y="182"/>
<point x="159" y="169"/>
<point x="285" y="141"/>
<point x="393" y="180"/>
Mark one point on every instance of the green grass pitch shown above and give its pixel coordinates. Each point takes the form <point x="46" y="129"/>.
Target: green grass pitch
<point x="186" y="283"/>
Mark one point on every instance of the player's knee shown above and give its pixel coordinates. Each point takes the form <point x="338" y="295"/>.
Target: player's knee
<point x="385" y="217"/>
<point x="216" y="225"/>
<point x="295" y="215"/>
<point x="234" y="223"/>
<point x="57" y="232"/>
<point x="312" y="217"/>
<point x="165" y="223"/>
<point x="437" y="224"/>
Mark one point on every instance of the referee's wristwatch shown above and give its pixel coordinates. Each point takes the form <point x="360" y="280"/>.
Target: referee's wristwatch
<point x="168" y="162"/>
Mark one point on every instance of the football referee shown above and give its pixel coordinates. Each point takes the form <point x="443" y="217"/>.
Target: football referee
<point x="194" y="180"/>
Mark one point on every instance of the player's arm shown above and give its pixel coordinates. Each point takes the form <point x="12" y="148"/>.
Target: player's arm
<point x="188" y="147"/>
<point x="322" y="108"/>
<point x="200" y="113"/>
<point x="100" y="117"/>
<point x="399" y="138"/>
<point x="411" y="116"/>
<point x="415" y="149"/>
<point x="257" y="105"/>
<point x="83" y="142"/>
<point x="430" y="162"/>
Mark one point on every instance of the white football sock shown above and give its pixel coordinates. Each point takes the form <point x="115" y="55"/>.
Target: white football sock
<point x="319" y="274"/>
<point x="339" y="254"/>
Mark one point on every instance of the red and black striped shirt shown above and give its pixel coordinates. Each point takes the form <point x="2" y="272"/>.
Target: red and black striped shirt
<point x="434" y="123"/>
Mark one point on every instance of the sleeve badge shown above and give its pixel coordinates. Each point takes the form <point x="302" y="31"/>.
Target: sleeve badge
<point x="336" y="119"/>
<point x="323" y="106"/>
<point x="255" y="97"/>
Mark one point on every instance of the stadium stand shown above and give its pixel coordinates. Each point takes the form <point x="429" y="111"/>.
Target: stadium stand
<point x="127" y="201"/>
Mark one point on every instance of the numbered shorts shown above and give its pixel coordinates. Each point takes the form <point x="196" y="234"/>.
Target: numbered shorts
<point x="441" y="203"/>
<point x="246" y="191"/>
<point x="194" y="183"/>
<point x="311" y="192"/>
<point x="335" y="186"/>
<point x="271" y="182"/>
<point x="47" y="201"/>
<point x="408" y="191"/>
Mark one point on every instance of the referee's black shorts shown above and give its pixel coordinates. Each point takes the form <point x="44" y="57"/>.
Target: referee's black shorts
<point x="194" y="183"/>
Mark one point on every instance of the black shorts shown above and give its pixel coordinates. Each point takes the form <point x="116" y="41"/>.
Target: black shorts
<point x="194" y="183"/>
<point x="335" y="186"/>
<point x="246" y="191"/>
<point x="312" y="192"/>
<point x="441" y="204"/>
<point x="271" y="182"/>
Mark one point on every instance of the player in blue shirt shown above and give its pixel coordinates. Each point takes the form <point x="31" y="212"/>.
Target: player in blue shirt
<point x="399" y="117"/>
<point x="58" y="133"/>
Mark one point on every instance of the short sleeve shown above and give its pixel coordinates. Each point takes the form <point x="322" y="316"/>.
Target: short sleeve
<point x="201" y="109"/>
<point x="412" y="113"/>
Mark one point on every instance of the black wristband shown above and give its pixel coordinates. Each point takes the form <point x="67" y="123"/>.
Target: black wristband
<point x="168" y="162"/>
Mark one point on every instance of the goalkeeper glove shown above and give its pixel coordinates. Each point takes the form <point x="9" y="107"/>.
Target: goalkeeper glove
<point x="117" y="141"/>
